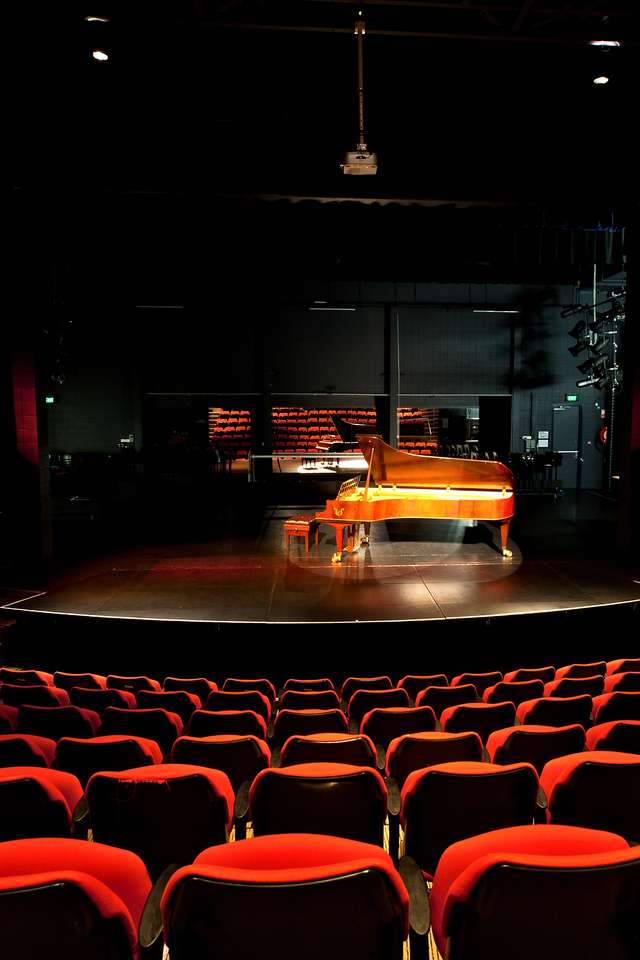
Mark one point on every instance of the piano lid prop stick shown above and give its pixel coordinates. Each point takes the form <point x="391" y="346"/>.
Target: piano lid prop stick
<point x="366" y="486"/>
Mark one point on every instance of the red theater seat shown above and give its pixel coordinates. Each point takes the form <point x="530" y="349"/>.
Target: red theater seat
<point x="453" y="801"/>
<point x="439" y="698"/>
<point x="530" y="892"/>
<point x="39" y="695"/>
<point x="413" y="684"/>
<point x="84" y="757"/>
<point x="309" y="700"/>
<point x="628" y="682"/>
<point x="29" y="677"/>
<point x="261" y="685"/>
<point x="240" y="757"/>
<point x="132" y="684"/>
<point x="240" y="700"/>
<point x="175" y="701"/>
<point x="481" y="681"/>
<point x="515" y="691"/>
<point x="363" y="701"/>
<point x="166" y="813"/>
<point x="618" y="735"/>
<point x="546" y="674"/>
<point x="534" y="744"/>
<point x="336" y="799"/>
<point x="26" y="750"/>
<point x="599" y="789"/>
<point x="8" y="718"/>
<point x="351" y="684"/>
<point x="57" y="722"/>
<point x="575" y="686"/>
<point x="160" y="725"/>
<point x="384" y="724"/>
<point x="320" y="683"/>
<point x="623" y="666"/>
<point x="289" y="723"/>
<point x="71" y="899"/>
<point x="198" y="685"/>
<point x="37" y="802"/>
<point x="556" y="711"/>
<point x="416" y="751"/>
<point x="317" y="897"/>
<point x="99" y="700"/>
<point x="480" y="718"/>
<point x="65" y="681"/>
<point x="577" y="670"/>
<point x="210" y="723"/>
<point x="352" y="748"/>
<point x="618" y="705"/>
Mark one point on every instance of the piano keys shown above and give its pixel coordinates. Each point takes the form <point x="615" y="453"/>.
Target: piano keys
<point x="403" y="485"/>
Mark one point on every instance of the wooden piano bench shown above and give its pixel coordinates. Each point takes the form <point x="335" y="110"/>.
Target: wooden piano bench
<point x="300" y="527"/>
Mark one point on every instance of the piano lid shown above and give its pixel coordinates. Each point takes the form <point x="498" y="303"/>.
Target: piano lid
<point x="391" y="467"/>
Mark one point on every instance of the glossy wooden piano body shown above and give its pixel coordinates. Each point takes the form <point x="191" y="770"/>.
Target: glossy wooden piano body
<point x="406" y="485"/>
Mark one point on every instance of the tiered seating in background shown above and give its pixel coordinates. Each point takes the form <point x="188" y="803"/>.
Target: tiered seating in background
<point x="230" y="432"/>
<point x="178" y="774"/>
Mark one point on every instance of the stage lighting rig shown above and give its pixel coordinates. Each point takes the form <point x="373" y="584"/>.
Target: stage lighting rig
<point x="361" y="161"/>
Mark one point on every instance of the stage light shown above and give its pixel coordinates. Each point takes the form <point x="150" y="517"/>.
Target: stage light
<point x="600" y="81"/>
<point x="579" y="347"/>
<point x="99" y="55"/>
<point x="577" y="330"/>
<point x="587" y="365"/>
<point x="98" y="19"/>
<point x="604" y="43"/>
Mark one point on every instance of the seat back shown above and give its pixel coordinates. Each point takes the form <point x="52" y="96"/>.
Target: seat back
<point x="32" y="805"/>
<point x="132" y="684"/>
<point x="416" y="751"/>
<point x="515" y="691"/>
<point x="556" y="711"/>
<point x="26" y="750"/>
<point x="166" y="815"/>
<point x="261" y="684"/>
<point x="351" y="684"/>
<point x="29" y="677"/>
<point x="176" y="701"/>
<point x="439" y="698"/>
<point x="209" y="723"/>
<point x="624" y="665"/>
<point x="481" y="681"/>
<point x="99" y="700"/>
<point x="57" y="722"/>
<point x="363" y="701"/>
<point x="576" y="670"/>
<point x="66" y="681"/>
<point x="414" y="683"/>
<point x="327" y="798"/>
<point x="384" y="724"/>
<point x="629" y="681"/>
<point x="534" y="744"/>
<point x="452" y="801"/>
<point x="240" y="757"/>
<point x="83" y="757"/>
<point x="481" y="718"/>
<point x="546" y="674"/>
<point x="40" y="695"/>
<point x="308" y="686"/>
<point x="619" y="735"/>
<point x="288" y="723"/>
<point x="354" y="749"/>
<point x="160" y="725"/>
<point x="240" y="700"/>
<point x="575" y="686"/>
<point x="309" y="700"/>
<point x="619" y="705"/>
<point x="198" y="685"/>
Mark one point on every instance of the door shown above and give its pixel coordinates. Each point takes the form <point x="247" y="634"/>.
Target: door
<point x="566" y="441"/>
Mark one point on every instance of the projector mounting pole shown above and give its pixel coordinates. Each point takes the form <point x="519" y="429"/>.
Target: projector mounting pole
<point x="360" y="31"/>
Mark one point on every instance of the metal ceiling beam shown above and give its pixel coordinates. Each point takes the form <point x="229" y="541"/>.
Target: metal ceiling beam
<point x="581" y="12"/>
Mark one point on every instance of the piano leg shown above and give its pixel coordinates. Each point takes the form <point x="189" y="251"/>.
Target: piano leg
<point x="365" y="539"/>
<point x="337" y="557"/>
<point x="504" y="538"/>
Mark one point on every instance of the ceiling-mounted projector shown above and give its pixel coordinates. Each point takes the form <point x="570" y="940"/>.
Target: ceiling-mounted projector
<point x="360" y="161"/>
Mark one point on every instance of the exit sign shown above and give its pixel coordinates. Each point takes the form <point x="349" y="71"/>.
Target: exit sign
<point x="571" y="397"/>
<point x="49" y="399"/>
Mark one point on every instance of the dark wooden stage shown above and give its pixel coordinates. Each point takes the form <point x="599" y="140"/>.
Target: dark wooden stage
<point x="448" y="578"/>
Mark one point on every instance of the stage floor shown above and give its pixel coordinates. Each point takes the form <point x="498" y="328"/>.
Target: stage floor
<point x="410" y="571"/>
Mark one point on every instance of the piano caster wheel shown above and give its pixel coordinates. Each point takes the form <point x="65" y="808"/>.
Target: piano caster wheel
<point x="364" y="542"/>
<point x="336" y="558"/>
<point x="507" y="553"/>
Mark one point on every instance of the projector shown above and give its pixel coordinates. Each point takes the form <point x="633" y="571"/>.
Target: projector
<point x="360" y="161"/>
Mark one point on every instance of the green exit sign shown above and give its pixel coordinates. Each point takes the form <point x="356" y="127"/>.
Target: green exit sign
<point x="571" y="397"/>
<point x="49" y="399"/>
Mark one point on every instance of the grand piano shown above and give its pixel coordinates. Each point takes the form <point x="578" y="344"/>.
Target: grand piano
<point x="403" y="485"/>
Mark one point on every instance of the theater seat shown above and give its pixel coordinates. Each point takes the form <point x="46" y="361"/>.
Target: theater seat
<point x="599" y="789"/>
<point x="14" y="676"/>
<point x="453" y="801"/>
<point x="619" y="705"/>
<point x="71" y="899"/>
<point x="384" y="724"/>
<point x="481" y="681"/>
<point x="480" y="718"/>
<point x="37" y="802"/>
<point x="132" y="684"/>
<point x="166" y="813"/>
<point x="543" y="891"/>
<point x="575" y="686"/>
<point x="617" y="735"/>
<point x="419" y="750"/>
<point x="26" y="750"/>
<point x="316" y="684"/>
<point x="40" y="695"/>
<point x="623" y="666"/>
<point x="84" y="757"/>
<point x="363" y="701"/>
<point x="327" y="798"/>
<point x="576" y="670"/>
<point x="309" y="700"/>
<point x="261" y="684"/>
<point x="316" y="897"/>
<point x="162" y="726"/>
<point x="8" y="718"/>
<point x="534" y="744"/>
<point x="546" y="674"/>
<point x="175" y="701"/>
<point x="514" y="691"/>
<point x="414" y="683"/>
<point x="353" y="748"/>
<point x="198" y="685"/>
<point x="209" y="723"/>
<point x="628" y="682"/>
<point x="66" y="681"/>
<point x="351" y="684"/>
<point x="556" y="711"/>
<point x="439" y="698"/>
<point x="240" y="757"/>
<point x="57" y="722"/>
<point x="289" y="723"/>
<point x="99" y="700"/>
<point x="240" y="700"/>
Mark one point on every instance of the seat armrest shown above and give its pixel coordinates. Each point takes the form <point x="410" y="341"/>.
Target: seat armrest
<point x="150" y="929"/>
<point x="241" y="807"/>
<point x="393" y="797"/>
<point x="80" y="818"/>
<point x="381" y="756"/>
<point x="275" y="757"/>
<point x="416" y="887"/>
<point x="541" y="801"/>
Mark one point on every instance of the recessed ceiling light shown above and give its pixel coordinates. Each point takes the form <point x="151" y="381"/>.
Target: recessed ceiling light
<point x="98" y="19"/>
<point x="604" y="43"/>
<point x="601" y="80"/>
<point x="99" y="55"/>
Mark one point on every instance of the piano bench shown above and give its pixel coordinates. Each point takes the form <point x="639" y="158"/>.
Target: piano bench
<point x="300" y="527"/>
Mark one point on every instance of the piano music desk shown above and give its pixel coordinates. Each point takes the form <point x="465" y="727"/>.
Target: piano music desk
<point x="300" y="527"/>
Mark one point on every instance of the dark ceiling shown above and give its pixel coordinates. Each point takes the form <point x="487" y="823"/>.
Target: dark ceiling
<point x="466" y="101"/>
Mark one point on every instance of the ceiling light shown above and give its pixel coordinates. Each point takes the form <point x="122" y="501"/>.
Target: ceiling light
<point x="496" y="311"/>
<point x="99" y="55"/>
<point x="98" y="19"/>
<point x="604" y="43"/>
<point x="600" y="80"/>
